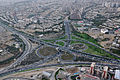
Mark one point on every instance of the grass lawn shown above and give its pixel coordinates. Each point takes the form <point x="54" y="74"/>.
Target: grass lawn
<point x="60" y="43"/>
<point x="96" y="51"/>
<point x="73" y="42"/>
<point x="86" y="37"/>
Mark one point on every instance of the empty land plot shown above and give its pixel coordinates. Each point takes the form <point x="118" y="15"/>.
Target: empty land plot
<point x="46" y="51"/>
<point x="67" y="57"/>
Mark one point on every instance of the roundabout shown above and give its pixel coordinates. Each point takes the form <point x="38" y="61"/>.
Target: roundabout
<point x="45" y="51"/>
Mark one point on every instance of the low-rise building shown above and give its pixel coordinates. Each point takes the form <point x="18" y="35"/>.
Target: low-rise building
<point x="104" y="31"/>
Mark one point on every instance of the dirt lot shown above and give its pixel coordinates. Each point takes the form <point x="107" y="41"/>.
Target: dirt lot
<point x="46" y="51"/>
<point x="67" y="57"/>
<point x="28" y="74"/>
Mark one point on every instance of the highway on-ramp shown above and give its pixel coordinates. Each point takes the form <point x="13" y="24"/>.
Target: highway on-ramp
<point x="28" y="46"/>
<point x="38" y="65"/>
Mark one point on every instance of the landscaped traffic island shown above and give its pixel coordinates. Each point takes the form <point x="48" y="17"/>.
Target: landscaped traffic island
<point x="78" y="46"/>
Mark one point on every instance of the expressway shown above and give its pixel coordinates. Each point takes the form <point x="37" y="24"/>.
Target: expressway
<point x="98" y="47"/>
<point x="62" y="48"/>
<point x="87" y="55"/>
<point x="94" y="57"/>
<point x="17" y="78"/>
<point x="81" y="53"/>
<point x="58" y="64"/>
<point x="83" y="16"/>
<point x="67" y="32"/>
<point x="28" y="47"/>
<point x="37" y="40"/>
<point x="37" y="65"/>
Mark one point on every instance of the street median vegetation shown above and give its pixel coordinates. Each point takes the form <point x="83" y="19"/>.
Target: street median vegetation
<point x="60" y="43"/>
<point x="94" y="50"/>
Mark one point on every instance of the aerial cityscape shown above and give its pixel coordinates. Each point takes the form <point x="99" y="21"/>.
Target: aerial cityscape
<point x="59" y="39"/>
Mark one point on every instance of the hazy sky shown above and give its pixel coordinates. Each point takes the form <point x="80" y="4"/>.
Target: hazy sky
<point x="5" y="2"/>
<point x="10" y="0"/>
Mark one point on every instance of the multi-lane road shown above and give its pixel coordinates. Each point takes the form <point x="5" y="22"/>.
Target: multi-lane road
<point x="28" y="46"/>
<point x="28" y="49"/>
<point x="67" y="32"/>
<point x="59" y="64"/>
<point x="25" y="38"/>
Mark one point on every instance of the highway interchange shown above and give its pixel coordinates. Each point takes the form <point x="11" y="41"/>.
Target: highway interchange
<point x="25" y="37"/>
